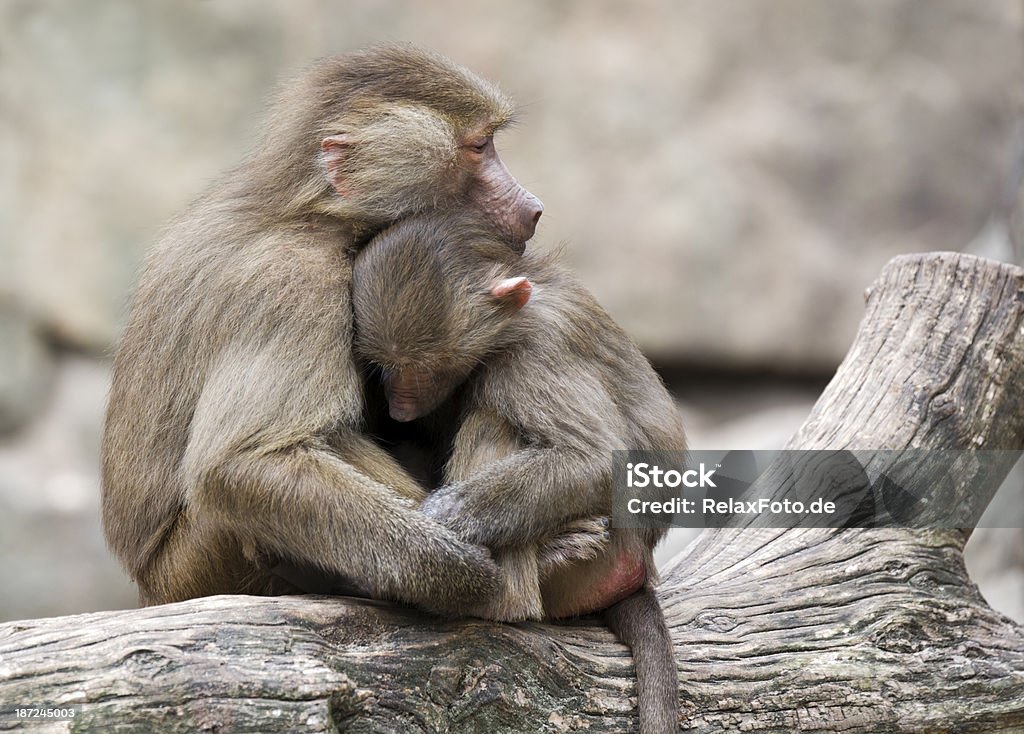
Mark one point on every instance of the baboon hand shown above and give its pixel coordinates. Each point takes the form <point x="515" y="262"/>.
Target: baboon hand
<point x="457" y="507"/>
<point x="580" y="540"/>
<point x="445" y="505"/>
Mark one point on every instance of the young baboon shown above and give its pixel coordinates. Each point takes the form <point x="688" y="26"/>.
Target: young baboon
<point x="234" y="434"/>
<point x="545" y="386"/>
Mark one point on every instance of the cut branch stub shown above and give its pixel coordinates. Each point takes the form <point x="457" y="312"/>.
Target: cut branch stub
<point x="938" y="362"/>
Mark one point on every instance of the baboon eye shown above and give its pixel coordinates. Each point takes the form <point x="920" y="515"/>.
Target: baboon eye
<point x="481" y="144"/>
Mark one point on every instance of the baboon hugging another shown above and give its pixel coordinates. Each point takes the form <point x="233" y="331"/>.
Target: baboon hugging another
<point x="234" y="436"/>
<point x="237" y="439"/>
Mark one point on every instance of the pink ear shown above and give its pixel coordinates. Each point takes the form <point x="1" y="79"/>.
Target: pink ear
<point x="335" y="148"/>
<point x="517" y="290"/>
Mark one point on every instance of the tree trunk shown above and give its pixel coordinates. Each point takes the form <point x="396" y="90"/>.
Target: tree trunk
<point x="816" y="630"/>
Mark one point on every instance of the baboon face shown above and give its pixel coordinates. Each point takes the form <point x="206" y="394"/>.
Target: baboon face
<point x="414" y="391"/>
<point x="512" y="209"/>
<point x="433" y="296"/>
<point x="416" y="388"/>
<point x="411" y="158"/>
<point x="403" y="131"/>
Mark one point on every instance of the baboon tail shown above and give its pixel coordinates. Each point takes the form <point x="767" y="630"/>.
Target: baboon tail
<point x="639" y="622"/>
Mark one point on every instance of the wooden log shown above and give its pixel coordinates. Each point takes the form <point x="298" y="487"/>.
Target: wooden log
<point x="776" y="630"/>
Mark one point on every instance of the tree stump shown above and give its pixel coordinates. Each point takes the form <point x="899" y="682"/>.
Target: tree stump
<point x="776" y="630"/>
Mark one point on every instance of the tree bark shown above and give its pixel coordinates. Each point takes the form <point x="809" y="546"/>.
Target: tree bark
<point x="814" y="630"/>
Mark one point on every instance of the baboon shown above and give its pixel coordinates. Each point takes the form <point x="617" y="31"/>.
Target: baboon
<point x="543" y="386"/>
<point x="234" y="442"/>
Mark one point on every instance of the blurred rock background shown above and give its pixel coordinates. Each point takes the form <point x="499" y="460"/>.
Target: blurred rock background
<point x="728" y="176"/>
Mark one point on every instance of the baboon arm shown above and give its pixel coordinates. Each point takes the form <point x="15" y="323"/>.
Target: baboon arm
<point x="272" y="461"/>
<point x="524" y="496"/>
<point x="369" y="459"/>
<point x="306" y="505"/>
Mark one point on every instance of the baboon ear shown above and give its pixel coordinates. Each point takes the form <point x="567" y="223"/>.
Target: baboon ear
<point x="515" y="291"/>
<point x="334" y="149"/>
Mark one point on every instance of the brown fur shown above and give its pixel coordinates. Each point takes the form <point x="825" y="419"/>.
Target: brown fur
<point x="546" y="394"/>
<point x="233" y="443"/>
